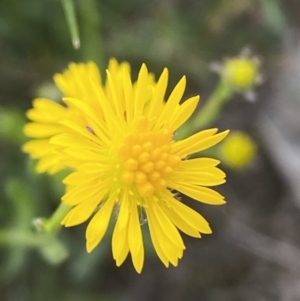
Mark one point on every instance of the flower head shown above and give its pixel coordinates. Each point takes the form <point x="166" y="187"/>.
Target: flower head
<point x="126" y="161"/>
<point x="238" y="150"/>
<point x="241" y="73"/>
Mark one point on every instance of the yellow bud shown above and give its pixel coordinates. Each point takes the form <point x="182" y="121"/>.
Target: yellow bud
<point x="241" y="73"/>
<point x="238" y="150"/>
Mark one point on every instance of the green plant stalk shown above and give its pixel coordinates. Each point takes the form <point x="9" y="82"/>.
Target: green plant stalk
<point x="53" y="223"/>
<point x="69" y="9"/>
<point x="18" y="238"/>
<point x="213" y="107"/>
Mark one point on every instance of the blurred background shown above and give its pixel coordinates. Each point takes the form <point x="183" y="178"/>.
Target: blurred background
<point x="254" y="252"/>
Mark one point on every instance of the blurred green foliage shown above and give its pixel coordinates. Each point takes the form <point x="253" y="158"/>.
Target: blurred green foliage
<point x="34" y="44"/>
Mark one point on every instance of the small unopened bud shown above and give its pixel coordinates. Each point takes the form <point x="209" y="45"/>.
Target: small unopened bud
<point x="241" y="73"/>
<point x="238" y="150"/>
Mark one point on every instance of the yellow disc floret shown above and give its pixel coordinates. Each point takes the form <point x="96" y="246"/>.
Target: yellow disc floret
<point x="147" y="160"/>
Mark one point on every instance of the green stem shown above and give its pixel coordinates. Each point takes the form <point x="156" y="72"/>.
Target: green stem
<point x="49" y="246"/>
<point x="213" y="107"/>
<point x="53" y="223"/>
<point x="18" y="238"/>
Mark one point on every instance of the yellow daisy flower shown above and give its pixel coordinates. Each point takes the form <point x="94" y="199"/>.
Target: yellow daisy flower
<point x="127" y="163"/>
<point x="77" y="81"/>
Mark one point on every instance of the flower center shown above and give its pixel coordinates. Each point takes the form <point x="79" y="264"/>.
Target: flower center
<point x="241" y="73"/>
<point x="147" y="160"/>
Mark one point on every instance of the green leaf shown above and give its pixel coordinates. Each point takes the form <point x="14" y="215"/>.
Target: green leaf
<point x="70" y="14"/>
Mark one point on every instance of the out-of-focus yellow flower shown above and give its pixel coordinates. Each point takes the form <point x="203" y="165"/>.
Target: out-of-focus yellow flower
<point x="241" y="73"/>
<point x="238" y="150"/>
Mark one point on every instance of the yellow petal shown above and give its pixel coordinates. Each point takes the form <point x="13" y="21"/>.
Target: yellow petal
<point x="76" y="80"/>
<point x="201" y="194"/>
<point x="120" y="247"/>
<point x="128" y="95"/>
<point x="38" y="148"/>
<point x="198" y="163"/>
<point x="50" y="163"/>
<point x="135" y="239"/>
<point x="183" y="113"/>
<point x="77" y="177"/>
<point x="80" y="194"/>
<point x="180" y="223"/>
<point x="198" y="142"/>
<point x="42" y="130"/>
<point x="171" y="251"/>
<point x="98" y="225"/>
<point x="69" y="140"/>
<point x="94" y="168"/>
<point x="156" y="243"/>
<point x="91" y="116"/>
<point x="190" y="216"/>
<point x="208" y="177"/>
<point x="46" y="111"/>
<point x="168" y="227"/>
<point x="77" y="129"/>
<point x="140" y="95"/>
<point x="180" y="146"/>
<point x="116" y="102"/>
<point x="172" y="102"/>
<point x="80" y="213"/>
<point x="84" y="155"/>
<point x="159" y="94"/>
